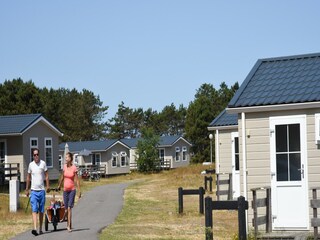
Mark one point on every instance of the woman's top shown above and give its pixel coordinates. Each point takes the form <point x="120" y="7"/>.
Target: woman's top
<point x="68" y="174"/>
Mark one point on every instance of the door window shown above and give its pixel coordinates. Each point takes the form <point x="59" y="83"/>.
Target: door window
<point x="288" y="152"/>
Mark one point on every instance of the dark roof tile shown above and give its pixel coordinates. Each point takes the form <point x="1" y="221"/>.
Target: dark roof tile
<point x="284" y="80"/>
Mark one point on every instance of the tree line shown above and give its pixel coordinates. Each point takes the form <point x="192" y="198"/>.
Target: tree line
<point x="80" y="115"/>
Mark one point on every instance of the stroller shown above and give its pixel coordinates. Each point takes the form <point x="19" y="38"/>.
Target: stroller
<point x="55" y="213"/>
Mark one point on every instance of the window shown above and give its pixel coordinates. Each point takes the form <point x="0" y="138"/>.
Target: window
<point x="33" y="145"/>
<point x="114" y="159"/>
<point x="48" y="152"/>
<point x="236" y="153"/>
<point x="2" y="151"/>
<point x="123" y="159"/>
<point x="161" y="156"/>
<point x="177" y="157"/>
<point x="317" y="127"/>
<point x="60" y="161"/>
<point x="96" y="159"/>
<point x="288" y="152"/>
<point x="184" y="153"/>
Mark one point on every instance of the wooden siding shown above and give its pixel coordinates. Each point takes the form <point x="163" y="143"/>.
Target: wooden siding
<point x="42" y="131"/>
<point x="225" y="151"/>
<point x="258" y="151"/>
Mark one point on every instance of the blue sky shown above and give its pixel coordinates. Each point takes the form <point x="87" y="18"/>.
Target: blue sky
<point x="149" y="53"/>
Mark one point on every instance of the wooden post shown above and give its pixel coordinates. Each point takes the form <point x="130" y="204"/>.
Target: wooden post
<point x="315" y="213"/>
<point x="180" y="200"/>
<point x="205" y="183"/>
<point x="230" y="194"/>
<point x="201" y="197"/>
<point x="210" y="186"/>
<point x="208" y="218"/>
<point x="269" y="212"/>
<point x="255" y="212"/>
<point x="218" y="188"/>
<point x="242" y="218"/>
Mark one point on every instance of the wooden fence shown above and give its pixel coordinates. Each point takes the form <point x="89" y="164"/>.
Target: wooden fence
<point x="223" y="184"/>
<point x="315" y="204"/>
<point x="241" y="205"/>
<point x="261" y="202"/>
<point x="199" y="192"/>
<point x="206" y="180"/>
<point x="160" y="165"/>
<point x="101" y="169"/>
<point x="9" y="171"/>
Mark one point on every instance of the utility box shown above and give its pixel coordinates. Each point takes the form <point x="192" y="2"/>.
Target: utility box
<point x="14" y="195"/>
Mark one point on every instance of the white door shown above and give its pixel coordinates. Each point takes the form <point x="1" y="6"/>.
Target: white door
<point x="289" y="190"/>
<point x="235" y="165"/>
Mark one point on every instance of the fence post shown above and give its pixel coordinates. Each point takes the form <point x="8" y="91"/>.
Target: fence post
<point x="230" y="195"/>
<point x="180" y="199"/>
<point x="315" y="213"/>
<point x="269" y="212"/>
<point x="255" y="212"/>
<point x="210" y="183"/>
<point x="218" y="187"/>
<point x="205" y="183"/>
<point x="242" y="218"/>
<point x="208" y="218"/>
<point x="201" y="196"/>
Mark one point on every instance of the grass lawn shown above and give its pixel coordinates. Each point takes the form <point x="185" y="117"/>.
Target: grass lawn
<point x="150" y="209"/>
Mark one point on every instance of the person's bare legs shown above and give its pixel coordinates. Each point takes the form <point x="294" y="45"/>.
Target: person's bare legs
<point x="34" y="219"/>
<point x="40" y="221"/>
<point x="69" y="219"/>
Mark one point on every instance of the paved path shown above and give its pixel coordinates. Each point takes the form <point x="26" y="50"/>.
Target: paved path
<point x="97" y="209"/>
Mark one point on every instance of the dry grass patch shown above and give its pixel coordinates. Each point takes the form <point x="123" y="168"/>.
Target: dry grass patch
<point x="151" y="210"/>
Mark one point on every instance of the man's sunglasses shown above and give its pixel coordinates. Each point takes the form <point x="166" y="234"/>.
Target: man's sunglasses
<point x="36" y="154"/>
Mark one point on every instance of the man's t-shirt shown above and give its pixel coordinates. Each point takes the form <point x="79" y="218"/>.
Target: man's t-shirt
<point x="69" y="173"/>
<point x="37" y="171"/>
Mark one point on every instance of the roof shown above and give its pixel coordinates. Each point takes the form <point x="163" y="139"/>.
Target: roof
<point x="164" y="141"/>
<point x="18" y="124"/>
<point x="89" y="145"/>
<point x="105" y="144"/>
<point x="225" y="119"/>
<point x="282" y="80"/>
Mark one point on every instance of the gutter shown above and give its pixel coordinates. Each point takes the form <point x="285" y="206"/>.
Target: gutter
<point x="244" y="160"/>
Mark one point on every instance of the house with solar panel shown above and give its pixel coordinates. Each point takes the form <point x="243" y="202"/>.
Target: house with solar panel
<point x="19" y="134"/>
<point x="118" y="156"/>
<point x="278" y="114"/>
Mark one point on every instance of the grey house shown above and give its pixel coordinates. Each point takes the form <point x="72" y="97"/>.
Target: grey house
<point x="112" y="154"/>
<point x="278" y="108"/>
<point x="19" y="134"/>
<point x="119" y="156"/>
<point x="173" y="150"/>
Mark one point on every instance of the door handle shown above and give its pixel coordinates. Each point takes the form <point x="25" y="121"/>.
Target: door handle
<point x="302" y="170"/>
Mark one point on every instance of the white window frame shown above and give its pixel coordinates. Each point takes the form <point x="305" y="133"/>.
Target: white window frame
<point x="46" y="147"/>
<point x="177" y="154"/>
<point x="184" y="153"/>
<point x="123" y="155"/>
<point x="114" y="159"/>
<point x="33" y="146"/>
<point x="317" y="127"/>
<point x="60" y="162"/>
<point x="95" y="157"/>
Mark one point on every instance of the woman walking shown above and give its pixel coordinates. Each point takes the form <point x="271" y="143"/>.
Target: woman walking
<point x="69" y="177"/>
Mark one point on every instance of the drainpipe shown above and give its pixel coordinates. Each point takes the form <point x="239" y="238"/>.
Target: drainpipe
<point x="244" y="160"/>
<point x="217" y="152"/>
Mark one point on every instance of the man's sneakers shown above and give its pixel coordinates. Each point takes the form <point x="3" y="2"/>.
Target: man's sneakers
<point x="34" y="232"/>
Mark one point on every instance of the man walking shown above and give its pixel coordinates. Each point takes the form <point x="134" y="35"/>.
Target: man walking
<point x="38" y="173"/>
